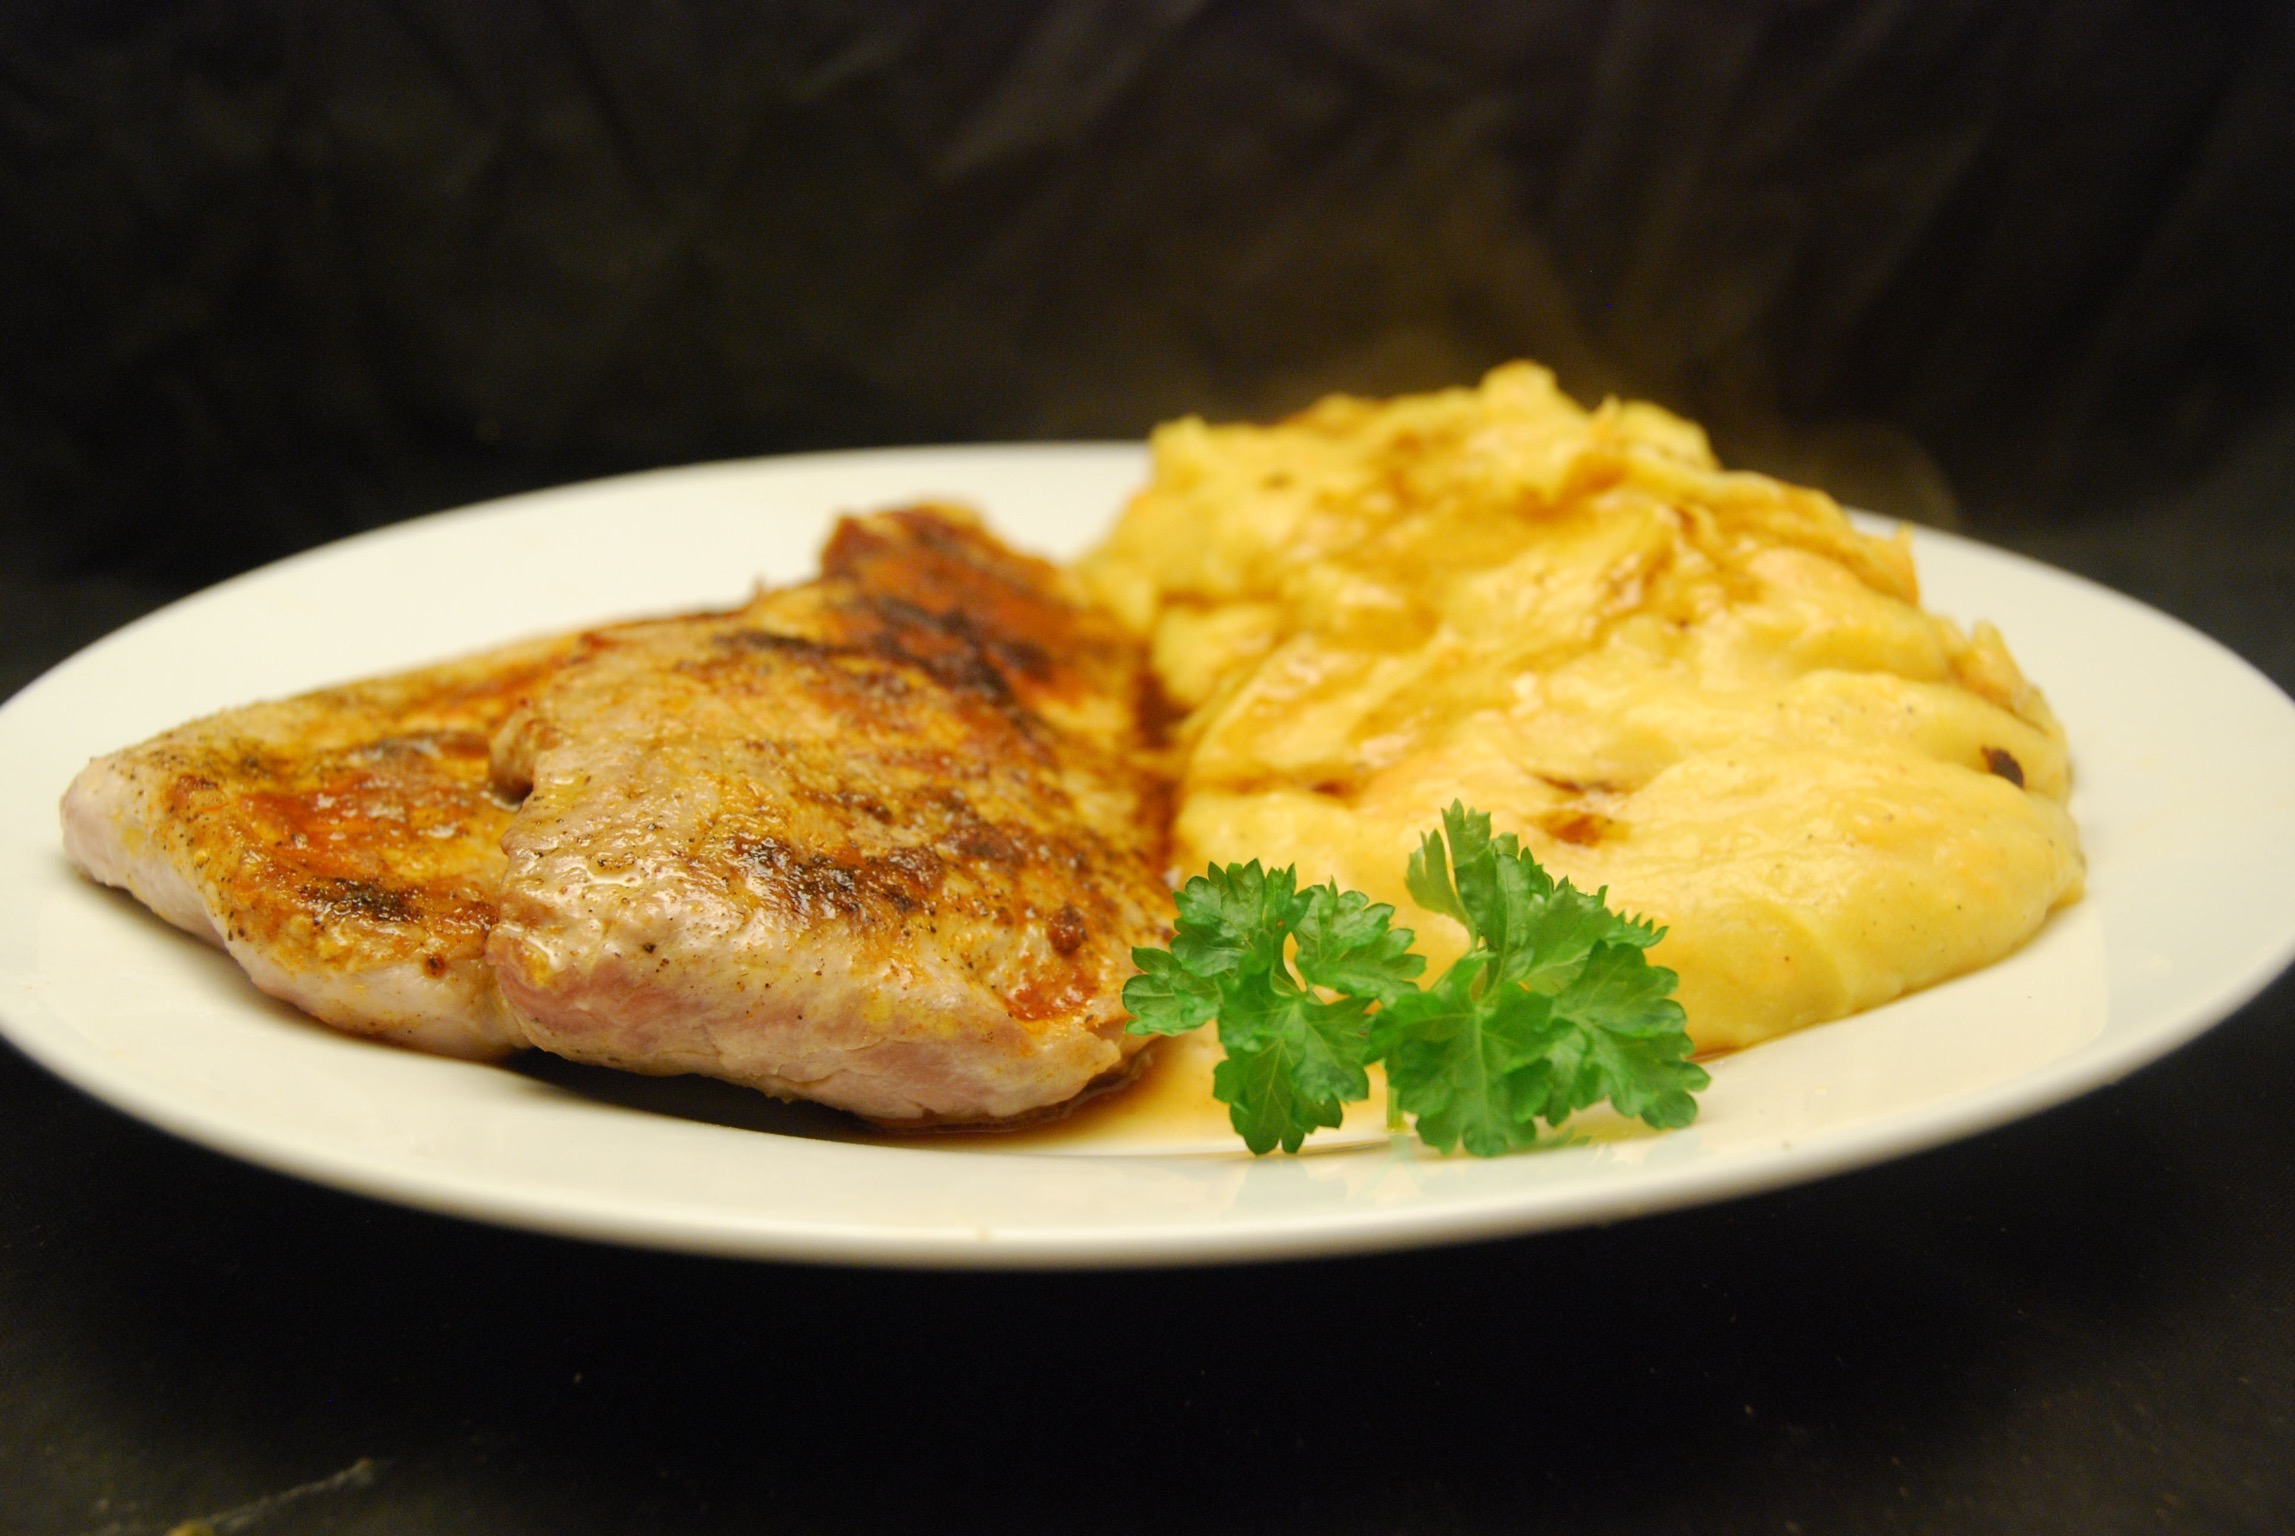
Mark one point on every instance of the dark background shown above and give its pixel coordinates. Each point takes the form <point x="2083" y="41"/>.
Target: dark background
<point x="270" y="274"/>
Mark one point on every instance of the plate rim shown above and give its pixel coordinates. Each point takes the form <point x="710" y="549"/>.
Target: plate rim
<point x="1720" y="1176"/>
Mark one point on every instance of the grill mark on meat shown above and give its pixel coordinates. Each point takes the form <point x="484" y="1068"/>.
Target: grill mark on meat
<point x="881" y="671"/>
<point x="946" y="647"/>
<point x="332" y="900"/>
<point x="834" y="797"/>
<point x="1020" y="611"/>
<point x="968" y="835"/>
<point x="854" y="887"/>
<point x="1022" y="656"/>
<point x="984" y="841"/>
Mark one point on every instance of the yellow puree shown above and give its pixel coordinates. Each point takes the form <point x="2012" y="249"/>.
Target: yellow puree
<point x="1703" y="690"/>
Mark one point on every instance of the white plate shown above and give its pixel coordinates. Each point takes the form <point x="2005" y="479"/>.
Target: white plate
<point x="2186" y="799"/>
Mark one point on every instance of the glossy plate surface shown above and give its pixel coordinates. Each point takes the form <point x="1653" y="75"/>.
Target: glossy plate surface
<point x="2186" y="800"/>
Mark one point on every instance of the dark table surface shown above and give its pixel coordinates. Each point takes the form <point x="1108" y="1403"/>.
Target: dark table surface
<point x="2079" y="1323"/>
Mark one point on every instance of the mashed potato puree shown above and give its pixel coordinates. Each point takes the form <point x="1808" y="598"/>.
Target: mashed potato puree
<point x="1703" y="690"/>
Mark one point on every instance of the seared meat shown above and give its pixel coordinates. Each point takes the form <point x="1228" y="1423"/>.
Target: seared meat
<point x="884" y="841"/>
<point x="344" y="846"/>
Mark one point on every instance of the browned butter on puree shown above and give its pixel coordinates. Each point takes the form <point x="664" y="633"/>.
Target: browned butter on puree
<point x="1704" y="690"/>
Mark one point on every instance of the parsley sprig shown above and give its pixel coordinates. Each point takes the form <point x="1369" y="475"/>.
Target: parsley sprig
<point x="1553" y="1008"/>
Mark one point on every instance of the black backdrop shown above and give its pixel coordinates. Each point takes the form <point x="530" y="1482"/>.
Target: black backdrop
<point x="271" y="273"/>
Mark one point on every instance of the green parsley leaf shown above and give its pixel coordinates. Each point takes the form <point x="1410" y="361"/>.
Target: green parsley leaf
<point x="1629" y="1046"/>
<point x="1166" y="998"/>
<point x="1553" y="1008"/>
<point x="1464" y="1063"/>
<point x="1345" y="944"/>
<point x="1291" y="1070"/>
<point x="1295" y="1058"/>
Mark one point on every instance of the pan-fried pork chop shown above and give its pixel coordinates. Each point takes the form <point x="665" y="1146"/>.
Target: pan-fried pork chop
<point x="344" y="846"/>
<point x="884" y="841"/>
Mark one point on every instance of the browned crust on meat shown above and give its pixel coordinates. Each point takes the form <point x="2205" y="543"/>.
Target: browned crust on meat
<point x="920" y="785"/>
<point x="1059" y="657"/>
<point x="904" y="814"/>
<point x="345" y="845"/>
<point x="364" y="808"/>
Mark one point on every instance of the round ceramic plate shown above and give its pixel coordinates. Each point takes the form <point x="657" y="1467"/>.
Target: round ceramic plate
<point x="2186" y="801"/>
